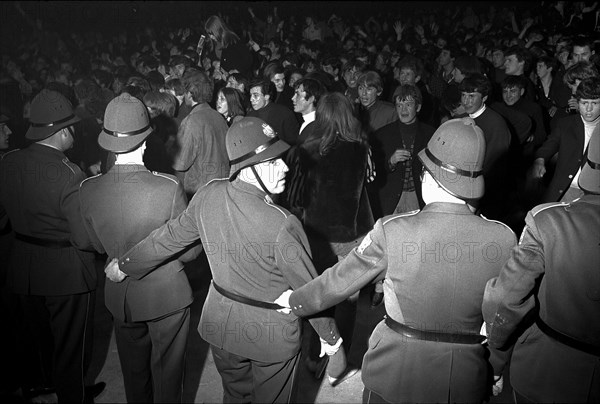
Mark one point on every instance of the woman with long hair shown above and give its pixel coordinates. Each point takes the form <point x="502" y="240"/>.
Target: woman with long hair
<point x="336" y="210"/>
<point x="230" y="104"/>
<point x="228" y="47"/>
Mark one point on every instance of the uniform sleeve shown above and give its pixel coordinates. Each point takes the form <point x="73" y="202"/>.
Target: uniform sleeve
<point x="508" y="298"/>
<point x="163" y="243"/>
<point x="180" y="202"/>
<point x="365" y="264"/>
<point x="88" y="225"/>
<point x="70" y="206"/>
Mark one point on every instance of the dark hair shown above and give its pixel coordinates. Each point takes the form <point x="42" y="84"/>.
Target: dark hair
<point x="335" y="120"/>
<point x="156" y="80"/>
<point x="588" y="89"/>
<point x="413" y="63"/>
<point x="370" y="79"/>
<point x="235" y="101"/>
<point x="514" y="82"/>
<point x="272" y="69"/>
<point x="240" y="78"/>
<point x="176" y="85"/>
<point x="198" y="84"/>
<point x="406" y="91"/>
<point x="468" y="65"/>
<point x="266" y="87"/>
<point x="163" y="103"/>
<point x="580" y="71"/>
<point x="522" y="54"/>
<point x="550" y="62"/>
<point x="475" y="83"/>
<point x="312" y="88"/>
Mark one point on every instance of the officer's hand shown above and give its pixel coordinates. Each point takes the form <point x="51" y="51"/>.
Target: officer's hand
<point x="113" y="272"/>
<point x="498" y="385"/>
<point x="329" y="349"/>
<point x="284" y="301"/>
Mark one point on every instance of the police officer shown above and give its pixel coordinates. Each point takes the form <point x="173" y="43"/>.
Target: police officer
<point x="256" y="250"/>
<point x="151" y="314"/>
<point x="54" y="280"/>
<point x="435" y="264"/>
<point x="553" y="274"/>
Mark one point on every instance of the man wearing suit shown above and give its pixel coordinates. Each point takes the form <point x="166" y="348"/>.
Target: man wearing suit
<point x="550" y="287"/>
<point x="256" y="250"/>
<point x="280" y="118"/>
<point x="54" y="280"/>
<point x="151" y="313"/>
<point x="570" y="139"/>
<point x="435" y="264"/>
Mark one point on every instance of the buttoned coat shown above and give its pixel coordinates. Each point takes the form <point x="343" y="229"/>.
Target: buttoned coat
<point x="38" y="190"/>
<point x="255" y="249"/>
<point x="559" y="253"/>
<point x="567" y="138"/>
<point x="119" y="209"/>
<point x="435" y="264"/>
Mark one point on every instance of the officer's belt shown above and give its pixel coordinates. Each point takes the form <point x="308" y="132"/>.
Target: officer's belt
<point x="43" y="242"/>
<point x="246" y="300"/>
<point x="414" y="333"/>
<point x="566" y="340"/>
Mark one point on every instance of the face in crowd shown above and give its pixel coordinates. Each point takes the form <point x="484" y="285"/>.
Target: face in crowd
<point x="589" y="109"/>
<point x="368" y="95"/>
<point x="472" y="102"/>
<point x="407" y="110"/>
<point x="5" y="133"/>
<point x="257" y="98"/>
<point x="221" y="105"/>
<point x="512" y="95"/>
<point x="301" y="104"/>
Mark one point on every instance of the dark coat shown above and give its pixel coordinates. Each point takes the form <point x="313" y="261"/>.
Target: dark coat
<point x="281" y="119"/>
<point x="39" y="192"/>
<point x="255" y="249"/>
<point x="567" y="139"/>
<point x="436" y="264"/>
<point x="122" y="207"/>
<point x="389" y="180"/>
<point x="237" y="57"/>
<point x="552" y="274"/>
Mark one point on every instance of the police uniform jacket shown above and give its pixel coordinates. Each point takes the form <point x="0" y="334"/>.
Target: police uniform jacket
<point x="567" y="138"/>
<point x="255" y="249"/>
<point x="436" y="263"/>
<point x="559" y="251"/>
<point x="119" y="209"/>
<point x="38" y="190"/>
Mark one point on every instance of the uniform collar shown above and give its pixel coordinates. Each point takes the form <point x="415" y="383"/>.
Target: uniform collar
<point x="47" y="149"/>
<point x="447" y="207"/>
<point x="127" y="168"/>
<point x="243" y="186"/>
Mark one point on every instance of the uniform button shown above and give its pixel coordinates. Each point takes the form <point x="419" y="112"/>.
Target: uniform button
<point x="127" y="259"/>
<point x="300" y="306"/>
<point x="570" y="176"/>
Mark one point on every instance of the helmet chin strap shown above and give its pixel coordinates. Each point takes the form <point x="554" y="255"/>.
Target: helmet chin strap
<point x="262" y="185"/>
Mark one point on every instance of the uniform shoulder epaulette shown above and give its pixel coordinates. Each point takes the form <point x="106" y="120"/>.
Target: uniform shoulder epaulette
<point x="545" y="206"/>
<point x="498" y="222"/>
<point x="400" y="215"/>
<point x="69" y="164"/>
<point x="89" y="178"/>
<point x="7" y="153"/>
<point x="167" y="176"/>
<point x="269" y="202"/>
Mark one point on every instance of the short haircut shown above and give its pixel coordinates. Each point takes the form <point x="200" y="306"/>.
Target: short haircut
<point x="413" y="63"/>
<point x="354" y="64"/>
<point x="180" y="60"/>
<point x="522" y="54"/>
<point x="370" y="79"/>
<point x="164" y="103"/>
<point x="475" y="83"/>
<point x="176" y="85"/>
<point x="588" y="89"/>
<point x="266" y="87"/>
<point x="198" y="84"/>
<point x="272" y="69"/>
<point x="468" y="65"/>
<point x="240" y="78"/>
<point x="334" y="62"/>
<point x="550" y="62"/>
<point x="513" y="82"/>
<point x="312" y="88"/>
<point x="580" y="71"/>
<point x="406" y="91"/>
<point x="583" y="41"/>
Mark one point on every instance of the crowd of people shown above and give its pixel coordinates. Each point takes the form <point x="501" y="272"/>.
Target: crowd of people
<point x="366" y="141"/>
